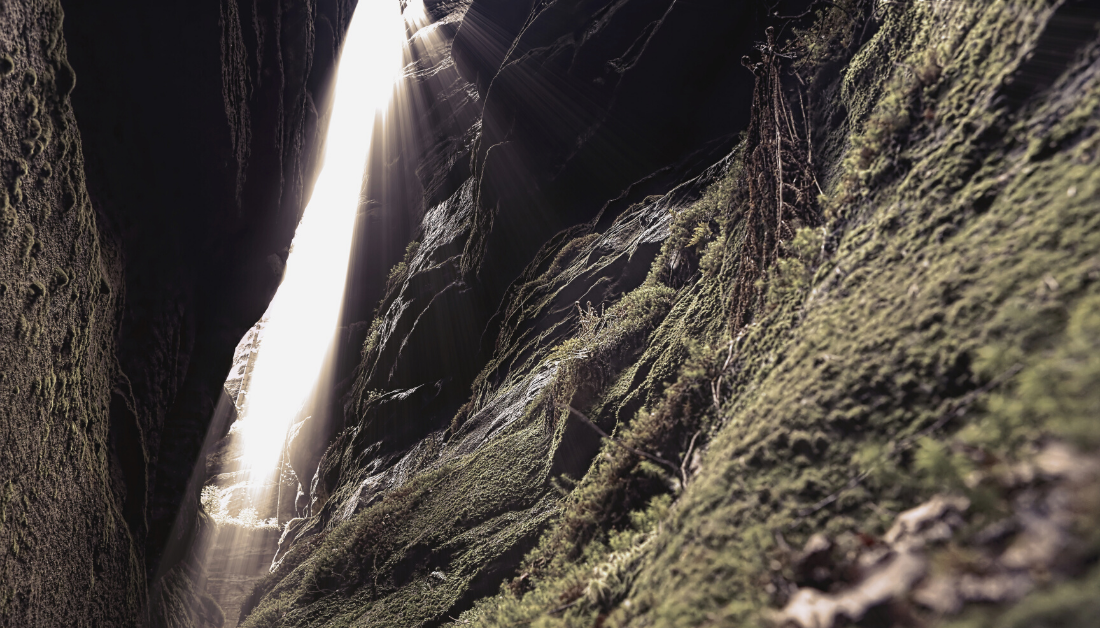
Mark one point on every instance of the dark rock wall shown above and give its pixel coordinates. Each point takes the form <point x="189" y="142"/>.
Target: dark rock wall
<point x="67" y="555"/>
<point x="136" y="253"/>
<point x="584" y="99"/>
<point x="205" y="137"/>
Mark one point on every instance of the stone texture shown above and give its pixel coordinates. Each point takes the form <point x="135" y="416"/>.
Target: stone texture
<point x="136" y="253"/>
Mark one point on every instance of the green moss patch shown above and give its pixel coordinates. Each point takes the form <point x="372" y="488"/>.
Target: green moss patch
<point x="807" y="363"/>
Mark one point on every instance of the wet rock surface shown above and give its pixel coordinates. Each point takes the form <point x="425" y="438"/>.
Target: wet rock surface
<point x="585" y="99"/>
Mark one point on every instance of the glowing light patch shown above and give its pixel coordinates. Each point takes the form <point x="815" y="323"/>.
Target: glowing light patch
<point x="302" y="317"/>
<point x="416" y="15"/>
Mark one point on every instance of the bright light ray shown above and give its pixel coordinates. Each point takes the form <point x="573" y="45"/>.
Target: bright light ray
<point x="416" y="15"/>
<point x="302" y="317"/>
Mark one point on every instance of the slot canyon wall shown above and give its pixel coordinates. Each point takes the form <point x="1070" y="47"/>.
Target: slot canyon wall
<point x="155" y="163"/>
<point x="660" y="313"/>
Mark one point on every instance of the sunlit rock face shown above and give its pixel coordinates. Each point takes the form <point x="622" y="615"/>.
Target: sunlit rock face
<point x="458" y="223"/>
<point x="244" y="360"/>
<point x="419" y="158"/>
<point x="532" y="120"/>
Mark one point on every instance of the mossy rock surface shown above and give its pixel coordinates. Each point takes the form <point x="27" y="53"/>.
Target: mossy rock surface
<point x="946" y="303"/>
<point x="66" y="555"/>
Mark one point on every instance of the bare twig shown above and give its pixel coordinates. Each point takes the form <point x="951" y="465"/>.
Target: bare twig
<point x="812" y="8"/>
<point x="563" y="607"/>
<point x="716" y="385"/>
<point x="687" y="457"/>
<point x="618" y="441"/>
<point x="729" y="352"/>
<point x="835" y="496"/>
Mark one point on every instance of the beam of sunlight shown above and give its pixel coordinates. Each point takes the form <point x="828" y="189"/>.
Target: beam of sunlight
<point x="416" y="16"/>
<point x="302" y="317"/>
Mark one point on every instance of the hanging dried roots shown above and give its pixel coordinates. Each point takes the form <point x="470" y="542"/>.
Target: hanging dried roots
<point x="779" y="191"/>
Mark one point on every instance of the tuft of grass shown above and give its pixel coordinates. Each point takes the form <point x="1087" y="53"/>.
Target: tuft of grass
<point x="399" y="273"/>
<point x="604" y="344"/>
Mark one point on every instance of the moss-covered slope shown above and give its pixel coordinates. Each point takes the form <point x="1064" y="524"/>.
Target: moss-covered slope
<point x="887" y="292"/>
